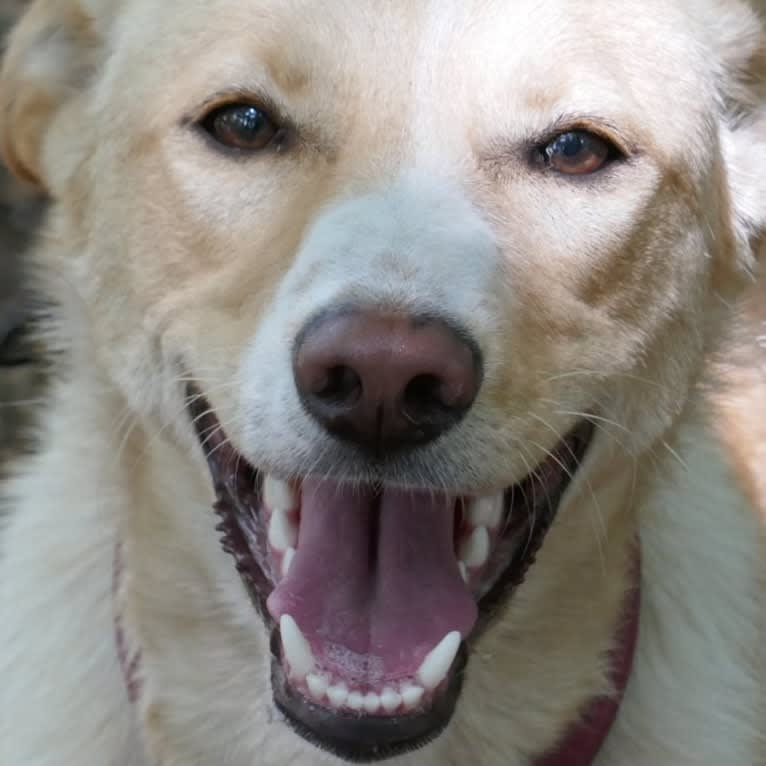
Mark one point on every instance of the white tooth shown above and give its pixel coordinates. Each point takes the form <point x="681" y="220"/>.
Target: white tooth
<point x="283" y="534"/>
<point x="464" y="573"/>
<point x="338" y="694"/>
<point x="411" y="695"/>
<point x="297" y="650"/>
<point x="487" y="511"/>
<point x="355" y="701"/>
<point x="390" y="699"/>
<point x="317" y="685"/>
<point x="437" y="664"/>
<point x="372" y="703"/>
<point x="287" y="561"/>
<point x="474" y="551"/>
<point x="279" y="495"/>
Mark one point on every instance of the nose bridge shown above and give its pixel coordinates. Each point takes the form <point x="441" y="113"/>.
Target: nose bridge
<point x="417" y="244"/>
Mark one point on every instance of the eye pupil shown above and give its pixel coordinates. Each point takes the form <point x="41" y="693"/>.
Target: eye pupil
<point x="241" y="126"/>
<point x="578" y="152"/>
<point x="245" y="121"/>
<point x="571" y="144"/>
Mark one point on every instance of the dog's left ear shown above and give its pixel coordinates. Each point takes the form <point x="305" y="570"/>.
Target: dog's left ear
<point x="739" y="39"/>
<point x="52" y="55"/>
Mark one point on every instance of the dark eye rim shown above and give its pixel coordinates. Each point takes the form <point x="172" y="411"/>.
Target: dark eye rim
<point x="618" y="150"/>
<point x="202" y="123"/>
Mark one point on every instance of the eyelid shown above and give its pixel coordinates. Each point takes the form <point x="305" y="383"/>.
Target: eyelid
<point x="265" y="103"/>
<point x="307" y="132"/>
<point x="598" y="127"/>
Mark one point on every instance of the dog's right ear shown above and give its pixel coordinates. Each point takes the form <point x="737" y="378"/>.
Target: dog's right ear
<point x="50" y="57"/>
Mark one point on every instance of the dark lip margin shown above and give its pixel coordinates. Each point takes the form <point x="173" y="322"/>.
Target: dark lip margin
<point x="359" y="738"/>
<point x="239" y="526"/>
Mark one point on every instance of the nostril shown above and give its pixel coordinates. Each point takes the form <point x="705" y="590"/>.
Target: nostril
<point x="425" y="400"/>
<point x="339" y="385"/>
<point x="385" y="381"/>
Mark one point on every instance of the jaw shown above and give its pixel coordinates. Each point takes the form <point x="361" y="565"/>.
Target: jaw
<point x="369" y="649"/>
<point x="186" y="604"/>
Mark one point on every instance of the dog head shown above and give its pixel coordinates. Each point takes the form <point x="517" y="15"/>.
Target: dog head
<point x="408" y="256"/>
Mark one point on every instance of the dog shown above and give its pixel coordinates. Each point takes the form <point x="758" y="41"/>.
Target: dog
<point x="392" y="419"/>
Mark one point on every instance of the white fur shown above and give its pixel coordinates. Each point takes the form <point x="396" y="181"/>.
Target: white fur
<point x="412" y="189"/>
<point x="692" y="698"/>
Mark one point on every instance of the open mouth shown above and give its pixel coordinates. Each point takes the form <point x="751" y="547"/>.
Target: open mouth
<point x="373" y="593"/>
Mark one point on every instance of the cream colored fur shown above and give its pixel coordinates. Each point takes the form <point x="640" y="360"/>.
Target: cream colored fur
<point x="409" y="187"/>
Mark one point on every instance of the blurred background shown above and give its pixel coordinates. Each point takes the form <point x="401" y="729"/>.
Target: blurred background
<point x="21" y="372"/>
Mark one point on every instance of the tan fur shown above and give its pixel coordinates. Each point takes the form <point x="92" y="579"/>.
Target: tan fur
<point x="408" y="186"/>
<point x="739" y="393"/>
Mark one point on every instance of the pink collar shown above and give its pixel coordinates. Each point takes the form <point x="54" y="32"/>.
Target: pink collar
<point x="580" y="745"/>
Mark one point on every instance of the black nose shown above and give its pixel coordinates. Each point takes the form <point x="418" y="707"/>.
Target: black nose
<point x="385" y="380"/>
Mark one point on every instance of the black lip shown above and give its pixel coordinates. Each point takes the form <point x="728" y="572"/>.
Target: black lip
<point x="354" y="737"/>
<point x="359" y="738"/>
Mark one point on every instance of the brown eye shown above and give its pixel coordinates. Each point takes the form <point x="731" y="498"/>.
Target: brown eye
<point x="578" y="153"/>
<point x="241" y="126"/>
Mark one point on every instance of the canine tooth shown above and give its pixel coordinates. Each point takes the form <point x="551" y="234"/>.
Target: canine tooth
<point x="437" y="664"/>
<point x="297" y="650"/>
<point x="317" y="685"/>
<point x="486" y="511"/>
<point x="278" y="495"/>
<point x="287" y="561"/>
<point x="412" y="695"/>
<point x="475" y="550"/>
<point x="371" y="703"/>
<point x="390" y="699"/>
<point x="464" y="573"/>
<point x="337" y="694"/>
<point x="355" y="701"/>
<point x="283" y="534"/>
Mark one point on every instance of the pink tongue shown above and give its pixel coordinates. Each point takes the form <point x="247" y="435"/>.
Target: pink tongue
<point x="374" y="585"/>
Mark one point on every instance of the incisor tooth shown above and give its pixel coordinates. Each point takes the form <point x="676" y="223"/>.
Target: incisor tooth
<point x="437" y="664"/>
<point x="372" y="703"/>
<point x="298" y="654"/>
<point x="390" y="699"/>
<point x="283" y="534"/>
<point x="355" y="700"/>
<point x="487" y="511"/>
<point x="464" y="573"/>
<point x="287" y="561"/>
<point x="317" y="685"/>
<point x="474" y="551"/>
<point x="411" y="695"/>
<point x="338" y="695"/>
<point x="279" y="495"/>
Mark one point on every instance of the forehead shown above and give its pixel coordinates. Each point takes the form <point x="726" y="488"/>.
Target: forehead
<point x="500" y="59"/>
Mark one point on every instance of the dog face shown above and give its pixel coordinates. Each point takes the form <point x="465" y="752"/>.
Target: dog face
<point x="406" y="253"/>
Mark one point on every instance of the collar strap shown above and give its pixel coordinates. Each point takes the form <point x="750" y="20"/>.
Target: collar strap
<point x="127" y="652"/>
<point x="582" y="743"/>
